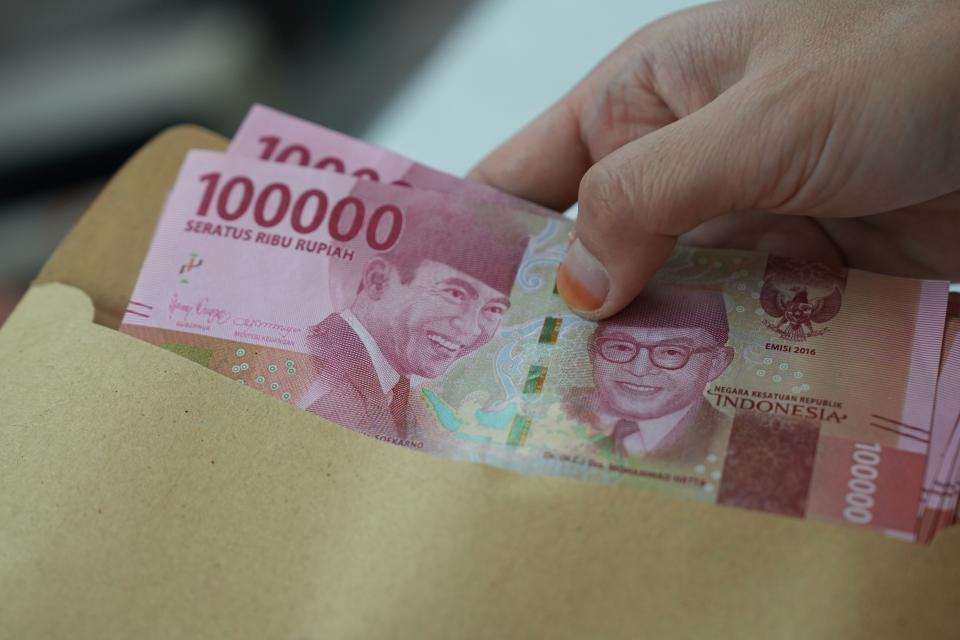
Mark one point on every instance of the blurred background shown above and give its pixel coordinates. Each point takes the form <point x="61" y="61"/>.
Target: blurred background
<point x="84" y="84"/>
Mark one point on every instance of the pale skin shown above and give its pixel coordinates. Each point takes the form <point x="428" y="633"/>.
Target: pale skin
<point x="825" y="129"/>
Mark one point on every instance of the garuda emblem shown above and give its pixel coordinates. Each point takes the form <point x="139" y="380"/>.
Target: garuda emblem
<point x="795" y="312"/>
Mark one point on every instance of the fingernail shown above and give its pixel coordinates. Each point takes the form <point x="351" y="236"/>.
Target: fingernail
<point x="581" y="280"/>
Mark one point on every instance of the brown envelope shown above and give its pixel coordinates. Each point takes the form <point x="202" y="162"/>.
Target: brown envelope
<point x="142" y="496"/>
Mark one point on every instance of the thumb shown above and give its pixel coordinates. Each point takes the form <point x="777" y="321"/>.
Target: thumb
<point x="636" y="201"/>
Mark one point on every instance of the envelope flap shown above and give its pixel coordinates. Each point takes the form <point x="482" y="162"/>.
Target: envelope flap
<point x="102" y="254"/>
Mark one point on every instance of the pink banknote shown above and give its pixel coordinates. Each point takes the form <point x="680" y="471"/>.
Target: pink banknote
<point x="941" y="486"/>
<point x="432" y="321"/>
<point x="271" y="135"/>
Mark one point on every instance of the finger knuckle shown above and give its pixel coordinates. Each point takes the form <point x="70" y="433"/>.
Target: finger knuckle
<point x="604" y="198"/>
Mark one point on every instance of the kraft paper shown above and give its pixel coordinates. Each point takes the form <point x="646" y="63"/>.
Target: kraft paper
<point x="142" y="496"/>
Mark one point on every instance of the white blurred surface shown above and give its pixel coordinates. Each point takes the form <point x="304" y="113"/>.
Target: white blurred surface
<point x="92" y="84"/>
<point x="505" y="62"/>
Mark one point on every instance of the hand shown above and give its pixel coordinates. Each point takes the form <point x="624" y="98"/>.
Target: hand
<point x="827" y="129"/>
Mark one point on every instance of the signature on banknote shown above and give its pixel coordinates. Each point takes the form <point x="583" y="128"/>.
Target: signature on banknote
<point x="199" y="312"/>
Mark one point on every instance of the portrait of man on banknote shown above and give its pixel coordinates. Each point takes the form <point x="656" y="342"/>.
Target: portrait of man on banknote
<point x="650" y="365"/>
<point x="435" y="297"/>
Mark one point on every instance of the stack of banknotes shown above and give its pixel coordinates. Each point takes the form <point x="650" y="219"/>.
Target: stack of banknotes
<point x="421" y="309"/>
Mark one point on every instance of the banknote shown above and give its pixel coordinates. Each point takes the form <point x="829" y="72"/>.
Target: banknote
<point x="432" y="321"/>
<point x="274" y="136"/>
<point x="941" y="486"/>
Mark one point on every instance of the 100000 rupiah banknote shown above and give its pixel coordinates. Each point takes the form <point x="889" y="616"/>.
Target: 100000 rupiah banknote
<point x="274" y="136"/>
<point x="432" y="321"/>
<point x="941" y="486"/>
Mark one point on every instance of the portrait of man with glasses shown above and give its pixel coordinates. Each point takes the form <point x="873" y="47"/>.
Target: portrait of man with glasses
<point x="651" y="364"/>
